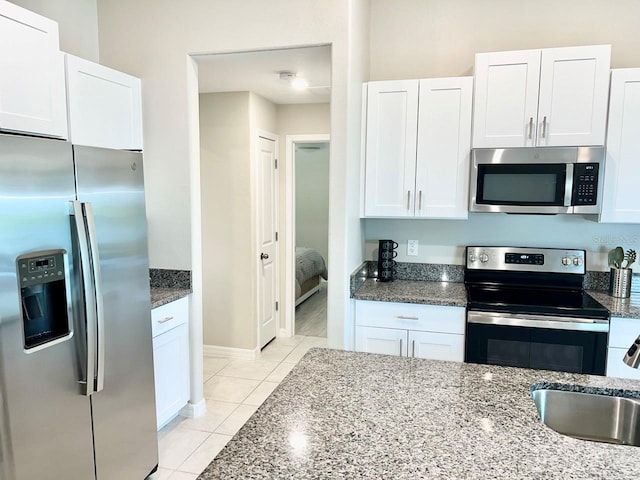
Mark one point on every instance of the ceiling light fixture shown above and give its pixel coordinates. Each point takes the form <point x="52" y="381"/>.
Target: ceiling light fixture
<point x="296" y="82"/>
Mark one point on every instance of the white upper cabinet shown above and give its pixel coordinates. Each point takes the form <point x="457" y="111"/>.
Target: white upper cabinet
<point x="444" y="143"/>
<point x="392" y="126"/>
<point x="506" y="99"/>
<point x="105" y="106"/>
<point x="620" y="200"/>
<point x="549" y="97"/>
<point x="32" y="93"/>
<point x="417" y="158"/>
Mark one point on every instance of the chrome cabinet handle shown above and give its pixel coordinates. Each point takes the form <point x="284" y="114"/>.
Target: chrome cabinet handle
<point x="264" y="256"/>
<point x="413" y="348"/>
<point x="165" y="319"/>
<point x="408" y="199"/>
<point x="97" y="279"/>
<point x="400" y="347"/>
<point x="406" y="317"/>
<point x="544" y="127"/>
<point x="420" y="200"/>
<point x="530" y="128"/>
<point x="89" y="296"/>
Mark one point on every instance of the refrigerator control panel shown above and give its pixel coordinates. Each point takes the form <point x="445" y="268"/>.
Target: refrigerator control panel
<point x="41" y="267"/>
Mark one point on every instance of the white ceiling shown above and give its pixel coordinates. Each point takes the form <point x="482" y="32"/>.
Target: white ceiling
<point x="259" y="72"/>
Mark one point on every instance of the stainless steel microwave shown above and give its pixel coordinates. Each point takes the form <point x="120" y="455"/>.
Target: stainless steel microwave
<point x="544" y="180"/>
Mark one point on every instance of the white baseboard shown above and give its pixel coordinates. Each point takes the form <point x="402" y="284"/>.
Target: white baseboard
<point x="230" y="352"/>
<point x="194" y="410"/>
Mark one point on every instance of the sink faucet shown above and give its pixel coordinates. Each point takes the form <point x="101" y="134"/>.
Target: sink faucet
<point x="632" y="357"/>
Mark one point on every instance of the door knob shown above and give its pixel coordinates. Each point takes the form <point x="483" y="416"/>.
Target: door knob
<point x="264" y="256"/>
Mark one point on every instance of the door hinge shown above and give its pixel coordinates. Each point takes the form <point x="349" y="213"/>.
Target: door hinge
<point x="276" y="306"/>
<point x="276" y="163"/>
<point x="276" y="236"/>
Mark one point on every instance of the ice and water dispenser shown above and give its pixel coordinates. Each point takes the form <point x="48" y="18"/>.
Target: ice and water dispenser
<point x="42" y="279"/>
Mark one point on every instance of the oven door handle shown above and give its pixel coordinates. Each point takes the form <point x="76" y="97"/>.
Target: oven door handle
<point x="539" y="321"/>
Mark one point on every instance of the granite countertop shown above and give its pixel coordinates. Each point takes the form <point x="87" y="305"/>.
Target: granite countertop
<point x="455" y="295"/>
<point x="357" y="415"/>
<point x="410" y="291"/>
<point x="163" y="295"/>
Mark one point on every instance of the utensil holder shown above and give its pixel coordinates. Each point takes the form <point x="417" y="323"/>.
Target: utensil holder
<point x="620" y="282"/>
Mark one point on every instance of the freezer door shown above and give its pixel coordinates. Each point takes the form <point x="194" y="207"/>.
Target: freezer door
<point x="45" y="421"/>
<point x="110" y="184"/>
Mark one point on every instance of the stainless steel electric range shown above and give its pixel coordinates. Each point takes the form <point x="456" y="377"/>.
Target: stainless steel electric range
<point x="527" y="308"/>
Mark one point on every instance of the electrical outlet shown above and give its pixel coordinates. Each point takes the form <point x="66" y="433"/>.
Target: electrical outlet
<point x="412" y="248"/>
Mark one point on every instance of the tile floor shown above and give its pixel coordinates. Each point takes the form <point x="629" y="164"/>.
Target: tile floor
<point x="233" y="390"/>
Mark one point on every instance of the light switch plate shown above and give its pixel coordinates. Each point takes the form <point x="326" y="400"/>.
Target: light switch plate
<point x="412" y="248"/>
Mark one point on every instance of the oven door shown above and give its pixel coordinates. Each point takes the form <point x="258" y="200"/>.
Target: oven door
<point x="536" y="341"/>
<point x="523" y="188"/>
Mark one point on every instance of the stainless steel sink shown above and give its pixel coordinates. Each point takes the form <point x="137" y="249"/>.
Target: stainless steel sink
<point x="599" y="418"/>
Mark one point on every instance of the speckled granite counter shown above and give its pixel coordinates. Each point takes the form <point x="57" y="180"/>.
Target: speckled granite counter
<point x="163" y="295"/>
<point x="408" y="291"/>
<point x="619" y="307"/>
<point x="346" y="415"/>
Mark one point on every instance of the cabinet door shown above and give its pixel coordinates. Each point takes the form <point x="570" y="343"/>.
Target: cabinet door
<point x="105" y="107"/>
<point x="171" y="372"/>
<point x="437" y="346"/>
<point x="32" y="93"/>
<point x="387" y="341"/>
<point x="574" y="89"/>
<point x="390" y="165"/>
<point x="620" y="203"/>
<point x="444" y="142"/>
<point x="506" y="99"/>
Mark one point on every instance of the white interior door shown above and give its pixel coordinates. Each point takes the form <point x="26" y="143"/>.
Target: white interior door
<point x="267" y="197"/>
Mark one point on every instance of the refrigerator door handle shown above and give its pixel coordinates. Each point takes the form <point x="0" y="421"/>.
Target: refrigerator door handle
<point x="97" y="282"/>
<point x="89" y="296"/>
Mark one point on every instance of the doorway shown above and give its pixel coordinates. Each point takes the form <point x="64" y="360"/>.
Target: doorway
<point x="307" y="222"/>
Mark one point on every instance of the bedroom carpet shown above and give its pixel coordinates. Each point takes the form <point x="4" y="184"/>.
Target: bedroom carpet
<point x="311" y="315"/>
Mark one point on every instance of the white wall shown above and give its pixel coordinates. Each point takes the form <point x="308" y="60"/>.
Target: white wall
<point x="440" y="38"/>
<point x="312" y="197"/>
<point x="152" y="39"/>
<point x="77" y="23"/>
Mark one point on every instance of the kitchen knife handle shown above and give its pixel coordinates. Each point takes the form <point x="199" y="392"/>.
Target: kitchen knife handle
<point x="97" y="279"/>
<point x="89" y="296"/>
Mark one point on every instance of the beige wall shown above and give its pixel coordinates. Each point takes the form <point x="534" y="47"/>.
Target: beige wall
<point x="152" y="39"/>
<point x="431" y="38"/>
<point x="77" y="23"/>
<point x="312" y="198"/>
<point x="226" y="220"/>
<point x="435" y="38"/>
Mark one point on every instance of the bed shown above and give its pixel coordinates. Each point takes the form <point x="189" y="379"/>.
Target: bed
<point x="310" y="267"/>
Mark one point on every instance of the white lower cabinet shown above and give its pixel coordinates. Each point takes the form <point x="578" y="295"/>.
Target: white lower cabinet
<point x="421" y="331"/>
<point x="171" y="358"/>
<point x="622" y="333"/>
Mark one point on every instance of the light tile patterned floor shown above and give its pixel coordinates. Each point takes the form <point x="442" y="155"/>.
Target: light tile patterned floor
<point x="233" y="390"/>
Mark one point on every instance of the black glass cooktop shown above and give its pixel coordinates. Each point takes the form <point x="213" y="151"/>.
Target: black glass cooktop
<point x="573" y="303"/>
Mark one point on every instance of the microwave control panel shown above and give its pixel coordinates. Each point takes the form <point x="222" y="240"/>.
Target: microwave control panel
<point x="585" y="184"/>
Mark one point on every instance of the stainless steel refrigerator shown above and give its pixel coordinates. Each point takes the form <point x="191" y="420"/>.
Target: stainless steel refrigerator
<point x="76" y="361"/>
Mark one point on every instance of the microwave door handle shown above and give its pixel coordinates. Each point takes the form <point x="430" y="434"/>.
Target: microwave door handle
<point x="89" y="295"/>
<point x="568" y="185"/>
<point x="97" y="276"/>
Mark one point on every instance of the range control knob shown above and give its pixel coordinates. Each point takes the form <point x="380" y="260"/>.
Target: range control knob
<point x="484" y="258"/>
<point x="472" y="257"/>
<point x="577" y="261"/>
<point x="566" y="261"/>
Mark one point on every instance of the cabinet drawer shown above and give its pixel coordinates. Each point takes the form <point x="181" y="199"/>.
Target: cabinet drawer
<point x="430" y="318"/>
<point x="169" y="316"/>
<point x="616" y="366"/>
<point x="623" y="331"/>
